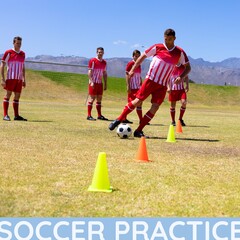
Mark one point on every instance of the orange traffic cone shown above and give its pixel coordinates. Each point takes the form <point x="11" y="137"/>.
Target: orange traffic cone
<point x="142" y="154"/>
<point x="179" y="127"/>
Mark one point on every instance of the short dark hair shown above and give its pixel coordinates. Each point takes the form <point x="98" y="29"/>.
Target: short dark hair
<point x="169" y="32"/>
<point x="17" y="38"/>
<point x="136" y="52"/>
<point x="100" y="48"/>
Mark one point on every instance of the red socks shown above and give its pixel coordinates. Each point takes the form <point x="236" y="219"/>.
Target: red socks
<point x="15" y="107"/>
<point x="127" y="109"/>
<point x="5" y="106"/>
<point x="146" y="119"/>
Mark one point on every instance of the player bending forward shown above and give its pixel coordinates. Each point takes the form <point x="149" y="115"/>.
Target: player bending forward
<point x="165" y="56"/>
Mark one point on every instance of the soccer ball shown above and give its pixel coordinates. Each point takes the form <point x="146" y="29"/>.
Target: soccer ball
<point x="124" y="130"/>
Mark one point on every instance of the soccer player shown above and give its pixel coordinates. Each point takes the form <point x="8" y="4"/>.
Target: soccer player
<point x="134" y="83"/>
<point x="178" y="92"/>
<point x="15" y="80"/>
<point x="96" y="71"/>
<point x="165" y="56"/>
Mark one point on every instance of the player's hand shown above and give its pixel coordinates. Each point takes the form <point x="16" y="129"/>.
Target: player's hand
<point x="3" y="83"/>
<point x="177" y="80"/>
<point x="186" y="89"/>
<point x="91" y="84"/>
<point x="130" y="74"/>
<point x="168" y="90"/>
<point x="105" y="87"/>
<point x="24" y="84"/>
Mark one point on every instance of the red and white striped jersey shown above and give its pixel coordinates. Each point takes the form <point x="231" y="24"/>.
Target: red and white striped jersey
<point x="163" y="62"/>
<point x="97" y="67"/>
<point x="15" y="63"/>
<point x="177" y="71"/>
<point x="135" y="81"/>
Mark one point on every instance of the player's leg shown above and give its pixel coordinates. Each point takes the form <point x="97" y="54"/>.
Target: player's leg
<point x="6" y="105"/>
<point x="130" y="98"/>
<point x="138" y="109"/>
<point x="126" y="110"/>
<point x="142" y="94"/>
<point x="99" y="108"/>
<point x="139" y="112"/>
<point x="183" y="108"/>
<point x="91" y="99"/>
<point x="17" y="117"/>
<point x="146" y="119"/>
<point x="158" y="95"/>
<point x="173" y="112"/>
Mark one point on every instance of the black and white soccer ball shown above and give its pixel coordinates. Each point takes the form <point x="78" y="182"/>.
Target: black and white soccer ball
<point x="124" y="130"/>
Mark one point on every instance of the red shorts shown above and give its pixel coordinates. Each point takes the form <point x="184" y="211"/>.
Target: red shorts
<point x="14" y="85"/>
<point x="157" y="91"/>
<point x="176" y="95"/>
<point x="132" y="94"/>
<point x="96" y="90"/>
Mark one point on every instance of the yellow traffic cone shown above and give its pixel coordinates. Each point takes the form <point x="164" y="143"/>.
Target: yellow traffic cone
<point x="171" y="135"/>
<point x="100" y="181"/>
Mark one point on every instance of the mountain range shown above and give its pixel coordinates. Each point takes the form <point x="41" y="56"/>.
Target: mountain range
<point x="226" y="72"/>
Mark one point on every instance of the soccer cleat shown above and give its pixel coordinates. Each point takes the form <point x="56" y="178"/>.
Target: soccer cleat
<point x="102" y="118"/>
<point x="6" y="118"/>
<point x="127" y="121"/>
<point x="138" y="134"/>
<point x="19" y="118"/>
<point x="182" y="123"/>
<point x="173" y="123"/>
<point x="91" y="118"/>
<point x="114" y="124"/>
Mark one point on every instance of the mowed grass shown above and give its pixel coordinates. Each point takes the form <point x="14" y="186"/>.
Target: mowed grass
<point x="47" y="163"/>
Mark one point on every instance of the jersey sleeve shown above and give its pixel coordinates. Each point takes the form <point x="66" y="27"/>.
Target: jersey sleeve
<point x="151" y="51"/>
<point x="5" y="57"/>
<point x="91" y="64"/>
<point x="105" y="68"/>
<point x="129" y="66"/>
<point x="183" y="59"/>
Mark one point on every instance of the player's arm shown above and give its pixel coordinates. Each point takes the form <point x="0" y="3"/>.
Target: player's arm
<point x="184" y="73"/>
<point x="105" y="79"/>
<point x="137" y="63"/>
<point x="186" y="79"/>
<point x="24" y="79"/>
<point x="3" y="82"/>
<point x="90" y="78"/>
<point x="127" y="82"/>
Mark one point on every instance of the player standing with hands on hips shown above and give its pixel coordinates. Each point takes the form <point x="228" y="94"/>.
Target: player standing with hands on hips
<point x="96" y="71"/>
<point x="15" y="80"/>
<point x="165" y="56"/>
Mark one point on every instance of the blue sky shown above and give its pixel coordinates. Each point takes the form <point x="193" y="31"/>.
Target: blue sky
<point x="207" y="29"/>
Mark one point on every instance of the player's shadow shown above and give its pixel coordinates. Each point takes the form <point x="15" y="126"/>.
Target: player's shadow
<point x="198" y="126"/>
<point x="47" y="121"/>
<point x="198" y="139"/>
<point x="187" y="139"/>
<point x="109" y="120"/>
<point x="156" y="124"/>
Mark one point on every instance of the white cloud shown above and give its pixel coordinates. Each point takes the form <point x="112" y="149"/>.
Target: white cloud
<point x="119" y="42"/>
<point x="138" y="46"/>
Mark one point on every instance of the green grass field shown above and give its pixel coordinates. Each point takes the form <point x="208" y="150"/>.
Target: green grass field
<point x="47" y="163"/>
